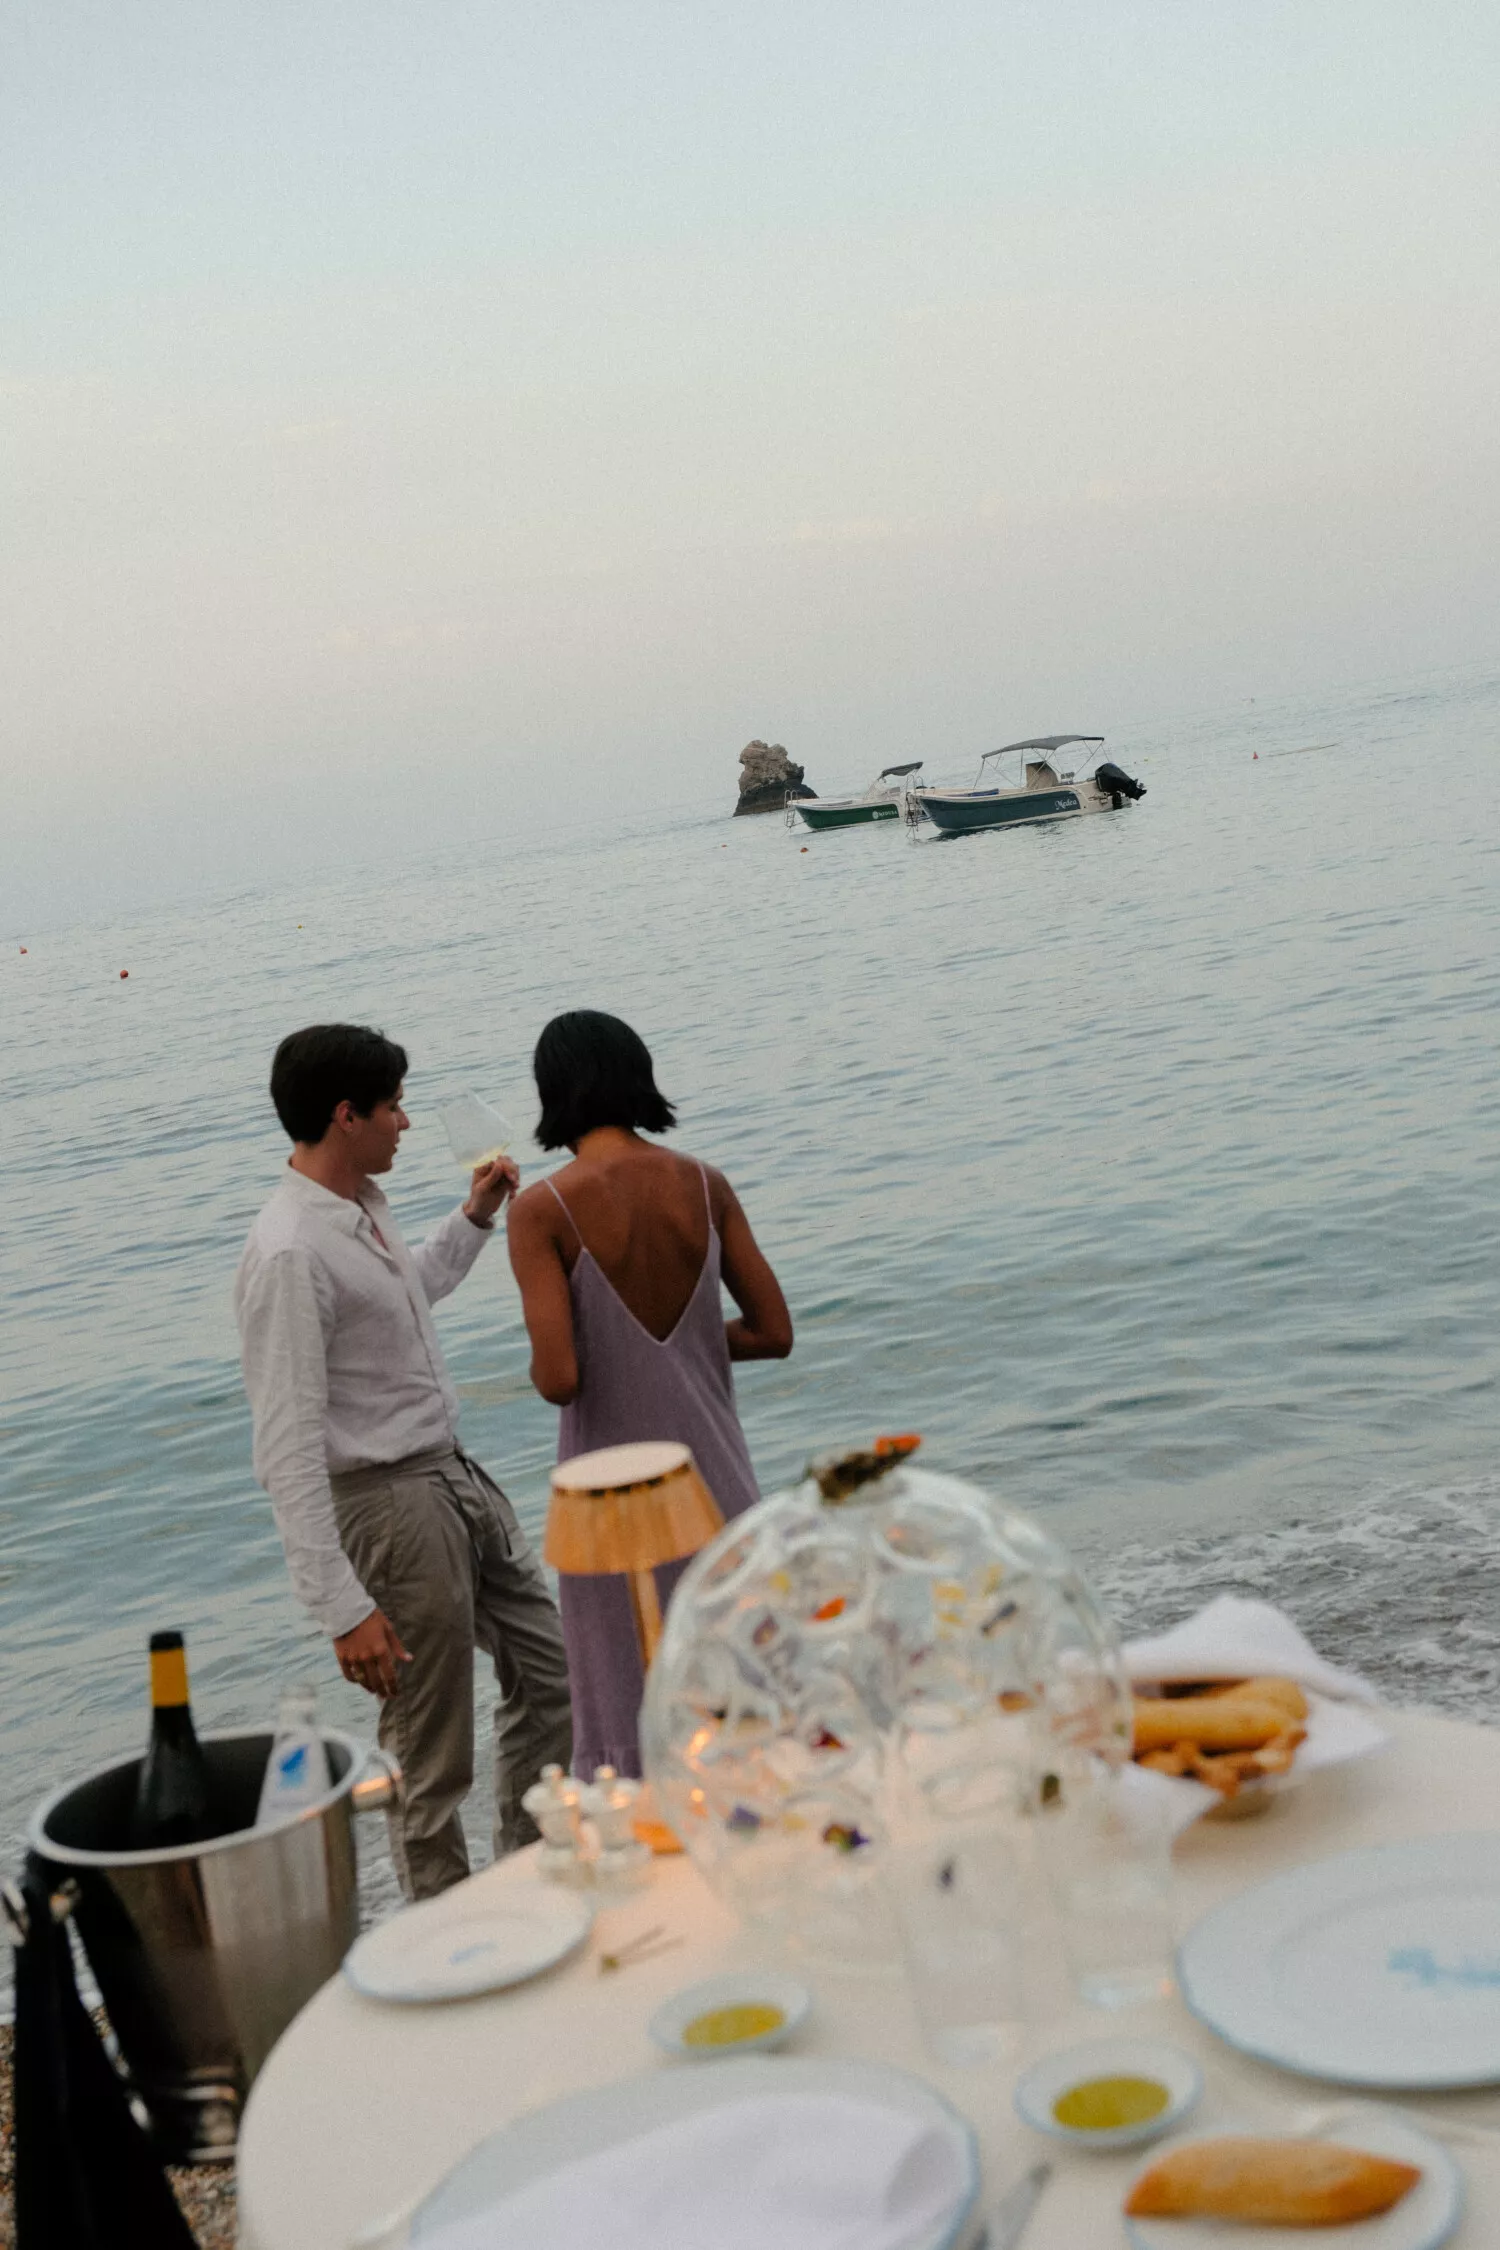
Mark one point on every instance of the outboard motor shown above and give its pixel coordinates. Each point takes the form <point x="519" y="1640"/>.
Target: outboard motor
<point x="1117" y="783"/>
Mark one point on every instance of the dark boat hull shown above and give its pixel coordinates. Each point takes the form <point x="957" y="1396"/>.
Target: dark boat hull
<point x="963" y="810"/>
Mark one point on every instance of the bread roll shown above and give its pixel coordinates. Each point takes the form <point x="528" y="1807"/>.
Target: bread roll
<point x="1214" y="1722"/>
<point x="1270" y="2183"/>
<point x="1241" y="1717"/>
<point x="1285" y="1693"/>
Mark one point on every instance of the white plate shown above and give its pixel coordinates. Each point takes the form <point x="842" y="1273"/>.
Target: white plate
<point x="1109" y="2058"/>
<point x="451" y="1947"/>
<point x="740" y="1988"/>
<point x="1420" y="2221"/>
<point x="583" y="2124"/>
<point x="1378" y="1968"/>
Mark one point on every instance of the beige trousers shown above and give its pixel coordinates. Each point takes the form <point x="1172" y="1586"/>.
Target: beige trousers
<point x="437" y="1545"/>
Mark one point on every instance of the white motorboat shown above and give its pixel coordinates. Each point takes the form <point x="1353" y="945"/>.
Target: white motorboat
<point x="1038" y="792"/>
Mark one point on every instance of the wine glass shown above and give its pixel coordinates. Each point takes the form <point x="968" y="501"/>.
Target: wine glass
<point x="476" y="1133"/>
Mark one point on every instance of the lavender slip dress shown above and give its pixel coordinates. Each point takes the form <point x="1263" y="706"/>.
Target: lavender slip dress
<point x="633" y="1387"/>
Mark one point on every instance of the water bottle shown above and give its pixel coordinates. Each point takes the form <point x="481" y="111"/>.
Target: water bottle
<point x="297" y="1770"/>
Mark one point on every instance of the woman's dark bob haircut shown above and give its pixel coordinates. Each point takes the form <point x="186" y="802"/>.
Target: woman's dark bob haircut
<point x="593" y="1070"/>
<point x="328" y="1063"/>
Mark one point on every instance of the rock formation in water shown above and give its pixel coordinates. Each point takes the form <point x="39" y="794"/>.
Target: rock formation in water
<point x="767" y="778"/>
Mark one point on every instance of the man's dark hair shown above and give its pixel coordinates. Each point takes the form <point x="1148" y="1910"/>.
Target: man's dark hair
<point x="591" y="1070"/>
<point x="328" y="1063"/>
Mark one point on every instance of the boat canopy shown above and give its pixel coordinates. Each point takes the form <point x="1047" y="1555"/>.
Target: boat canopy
<point x="886" y="772"/>
<point x="1043" y="742"/>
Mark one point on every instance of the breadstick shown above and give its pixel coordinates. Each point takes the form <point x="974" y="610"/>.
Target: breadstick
<point x="1175" y="1761"/>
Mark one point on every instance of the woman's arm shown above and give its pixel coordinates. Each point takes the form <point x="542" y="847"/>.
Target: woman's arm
<point x="537" y="1262"/>
<point x="764" y="1328"/>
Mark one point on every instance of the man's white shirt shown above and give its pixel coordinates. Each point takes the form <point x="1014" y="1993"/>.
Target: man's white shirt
<point x="342" y="1363"/>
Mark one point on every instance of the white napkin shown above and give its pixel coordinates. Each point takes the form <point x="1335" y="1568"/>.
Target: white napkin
<point x="779" y="2172"/>
<point x="1234" y="1639"/>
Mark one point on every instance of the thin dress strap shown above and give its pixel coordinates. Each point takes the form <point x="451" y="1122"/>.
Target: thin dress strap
<point x="567" y="1214"/>
<point x="708" y="1201"/>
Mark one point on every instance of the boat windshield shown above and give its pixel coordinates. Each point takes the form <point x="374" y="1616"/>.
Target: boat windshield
<point x="888" y="782"/>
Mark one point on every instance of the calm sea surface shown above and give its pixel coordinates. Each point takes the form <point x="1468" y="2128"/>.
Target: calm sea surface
<point x="1148" y="1164"/>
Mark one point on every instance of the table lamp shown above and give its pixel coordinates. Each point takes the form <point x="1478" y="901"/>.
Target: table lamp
<point x="626" y="1509"/>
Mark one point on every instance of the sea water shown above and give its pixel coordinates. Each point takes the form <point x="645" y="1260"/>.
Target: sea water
<point x="1147" y="1164"/>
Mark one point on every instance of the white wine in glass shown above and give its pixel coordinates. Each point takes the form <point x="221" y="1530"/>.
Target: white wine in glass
<point x="476" y="1133"/>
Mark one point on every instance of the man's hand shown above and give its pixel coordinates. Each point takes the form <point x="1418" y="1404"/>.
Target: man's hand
<point x="489" y="1187"/>
<point x="369" y="1655"/>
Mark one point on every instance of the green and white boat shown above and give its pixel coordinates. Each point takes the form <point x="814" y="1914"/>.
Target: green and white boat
<point x="885" y="799"/>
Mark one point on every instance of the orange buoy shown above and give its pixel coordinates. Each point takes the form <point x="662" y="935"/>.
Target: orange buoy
<point x="23" y="949"/>
<point x="804" y="847"/>
<point x="124" y="972"/>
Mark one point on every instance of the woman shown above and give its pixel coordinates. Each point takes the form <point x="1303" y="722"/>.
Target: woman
<point x="619" y="1257"/>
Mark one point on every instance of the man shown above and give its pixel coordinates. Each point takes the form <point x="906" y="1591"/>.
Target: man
<point x="399" y="1545"/>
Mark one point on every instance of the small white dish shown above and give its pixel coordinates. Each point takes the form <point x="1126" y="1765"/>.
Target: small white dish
<point x="768" y="1988"/>
<point x="1422" y="2220"/>
<point x="450" y="1948"/>
<point x="1055" y="2075"/>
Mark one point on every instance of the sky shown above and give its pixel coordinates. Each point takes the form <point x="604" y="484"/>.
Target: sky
<point x="420" y="421"/>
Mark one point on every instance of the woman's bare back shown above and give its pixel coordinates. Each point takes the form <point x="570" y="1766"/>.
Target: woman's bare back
<point x="642" y="1217"/>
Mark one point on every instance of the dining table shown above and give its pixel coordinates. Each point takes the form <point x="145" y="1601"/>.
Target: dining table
<point x="363" y="2105"/>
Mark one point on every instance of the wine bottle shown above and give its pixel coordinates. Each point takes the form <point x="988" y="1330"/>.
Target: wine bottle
<point x="173" y="1796"/>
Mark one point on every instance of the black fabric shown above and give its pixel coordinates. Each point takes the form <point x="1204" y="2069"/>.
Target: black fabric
<point x="85" y="2175"/>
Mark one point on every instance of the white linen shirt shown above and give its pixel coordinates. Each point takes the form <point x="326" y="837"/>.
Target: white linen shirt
<point x="342" y="1363"/>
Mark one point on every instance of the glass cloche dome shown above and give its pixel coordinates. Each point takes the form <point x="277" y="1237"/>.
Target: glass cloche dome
<point x="877" y="1647"/>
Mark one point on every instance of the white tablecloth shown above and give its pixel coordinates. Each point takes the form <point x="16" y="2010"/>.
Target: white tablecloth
<point x="361" y="2106"/>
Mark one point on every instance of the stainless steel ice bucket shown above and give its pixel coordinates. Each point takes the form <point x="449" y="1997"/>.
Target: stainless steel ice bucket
<point x="203" y="1956"/>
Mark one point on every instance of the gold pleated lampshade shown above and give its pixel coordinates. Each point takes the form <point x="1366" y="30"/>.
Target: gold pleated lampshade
<point x="626" y="1509"/>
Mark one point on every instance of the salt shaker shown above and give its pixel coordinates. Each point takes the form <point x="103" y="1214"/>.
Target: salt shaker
<point x="610" y="1802"/>
<point x="555" y="1804"/>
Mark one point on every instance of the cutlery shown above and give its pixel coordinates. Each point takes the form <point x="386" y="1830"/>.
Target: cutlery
<point x="1012" y="2214"/>
<point x="644" y="1946"/>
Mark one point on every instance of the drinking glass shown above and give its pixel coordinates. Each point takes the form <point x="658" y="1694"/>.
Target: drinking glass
<point x="1108" y="1852"/>
<point x="956" y="1899"/>
<point x="476" y="1133"/>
